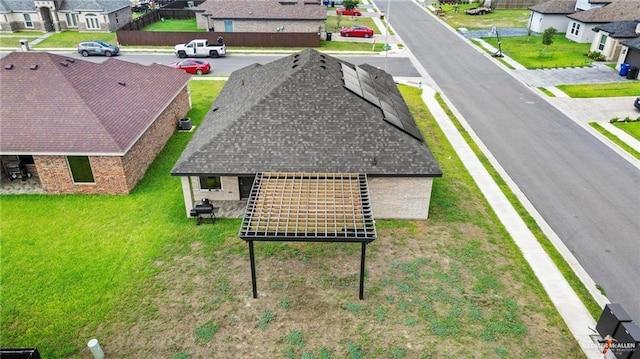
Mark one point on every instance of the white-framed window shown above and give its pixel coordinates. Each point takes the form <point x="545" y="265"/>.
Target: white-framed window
<point x="603" y="41"/>
<point x="27" y="20"/>
<point x="210" y="183"/>
<point x="72" y="20"/>
<point x="92" y="22"/>
<point x="575" y="29"/>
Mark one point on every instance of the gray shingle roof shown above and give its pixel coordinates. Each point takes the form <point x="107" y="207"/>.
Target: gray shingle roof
<point x="295" y="115"/>
<point x="102" y="6"/>
<point x="633" y="43"/>
<point x="555" y="7"/>
<point x="616" y="11"/>
<point x="620" y="29"/>
<point x="17" y="5"/>
<point x="80" y="108"/>
<point x="263" y="9"/>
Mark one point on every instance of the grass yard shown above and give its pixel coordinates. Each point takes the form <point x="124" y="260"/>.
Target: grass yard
<point x="12" y="39"/>
<point x="134" y="272"/>
<point x="335" y="23"/>
<point x="627" y="88"/>
<point x="502" y="19"/>
<point x="189" y="25"/>
<point x="72" y="38"/>
<point x="632" y="128"/>
<point x="532" y="54"/>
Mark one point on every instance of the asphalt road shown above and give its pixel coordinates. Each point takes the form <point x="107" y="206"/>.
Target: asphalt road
<point x="224" y="66"/>
<point x="587" y="193"/>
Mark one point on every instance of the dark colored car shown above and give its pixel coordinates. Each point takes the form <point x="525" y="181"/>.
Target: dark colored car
<point x="102" y="48"/>
<point x="346" y="12"/>
<point x="141" y="7"/>
<point x="192" y="66"/>
<point x="637" y="103"/>
<point x="357" y="31"/>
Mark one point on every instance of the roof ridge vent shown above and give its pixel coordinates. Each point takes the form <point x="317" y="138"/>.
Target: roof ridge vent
<point x="71" y="60"/>
<point x="8" y="67"/>
<point x="33" y="67"/>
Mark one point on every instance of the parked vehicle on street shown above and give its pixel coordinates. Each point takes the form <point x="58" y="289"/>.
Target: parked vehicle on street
<point x="192" y="66"/>
<point x="478" y="11"/>
<point x="101" y="48"/>
<point x="16" y="169"/>
<point x="200" y="48"/>
<point x="637" y="103"/>
<point x="348" y="12"/>
<point x="357" y="31"/>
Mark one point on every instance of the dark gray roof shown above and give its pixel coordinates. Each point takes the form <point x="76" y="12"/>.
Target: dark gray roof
<point x="102" y="6"/>
<point x="633" y="43"/>
<point x="619" y="10"/>
<point x="295" y="115"/>
<point x="563" y="7"/>
<point x="620" y="29"/>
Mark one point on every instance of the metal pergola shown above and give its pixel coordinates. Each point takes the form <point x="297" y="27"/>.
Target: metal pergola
<point x="308" y="207"/>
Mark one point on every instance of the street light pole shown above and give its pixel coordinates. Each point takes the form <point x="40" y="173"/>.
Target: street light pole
<point x="386" y="39"/>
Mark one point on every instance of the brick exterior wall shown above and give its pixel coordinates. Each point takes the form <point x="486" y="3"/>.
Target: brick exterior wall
<point x="142" y="154"/>
<point x="113" y="174"/>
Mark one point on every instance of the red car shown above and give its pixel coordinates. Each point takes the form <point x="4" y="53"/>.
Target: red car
<point x="346" y="12"/>
<point x="192" y="66"/>
<point x="358" y="30"/>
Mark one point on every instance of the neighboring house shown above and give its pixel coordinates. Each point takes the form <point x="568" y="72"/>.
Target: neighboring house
<point x="60" y="15"/>
<point x="609" y="36"/>
<point x="85" y="127"/>
<point x="551" y="14"/>
<point x="582" y="23"/>
<point x="630" y="53"/>
<point x="261" y="16"/>
<point x="301" y="114"/>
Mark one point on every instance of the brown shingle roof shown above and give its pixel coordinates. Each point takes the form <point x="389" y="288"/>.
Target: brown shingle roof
<point x="264" y="9"/>
<point x="555" y="7"/>
<point x="616" y="11"/>
<point x="71" y="106"/>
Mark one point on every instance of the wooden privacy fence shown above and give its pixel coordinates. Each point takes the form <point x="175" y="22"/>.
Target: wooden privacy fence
<point x="131" y="34"/>
<point x="253" y="39"/>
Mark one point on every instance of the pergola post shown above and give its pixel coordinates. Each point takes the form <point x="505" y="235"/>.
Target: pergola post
<point x="252" y="259"/>
<point x="362" y="257"/>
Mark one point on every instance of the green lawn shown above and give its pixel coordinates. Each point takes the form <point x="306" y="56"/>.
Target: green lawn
<point x="174" y="25"/>
<point x="502" y="18"/>
<point x="72" y="38"/>
<point x="632" y="128"/>
<point x="627" y="88"/>
<point x="134" y="272"/>
<point x="532" y="54"/>
<point x="335" y="23"/>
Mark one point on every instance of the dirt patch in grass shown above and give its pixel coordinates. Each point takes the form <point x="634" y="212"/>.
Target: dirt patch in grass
<point x="443" y="290"/>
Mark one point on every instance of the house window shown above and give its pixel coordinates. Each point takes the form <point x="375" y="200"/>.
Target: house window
<point x="92" y="22"/>
<point x="27" y="20"/>
<point x="72" y="20"/>
<point x="210" y="183"/>
<point x="603" y="41"/>
<point x="80" y="169"/>
<point x="575" y="29"/>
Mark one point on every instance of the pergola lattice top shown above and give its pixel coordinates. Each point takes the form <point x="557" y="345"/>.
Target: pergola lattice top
<point x="332" y="207"/>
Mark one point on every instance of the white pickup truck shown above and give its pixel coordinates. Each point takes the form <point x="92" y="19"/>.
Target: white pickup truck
<point x="200" y="48"/>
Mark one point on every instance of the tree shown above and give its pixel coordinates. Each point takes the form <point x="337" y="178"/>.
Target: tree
<point x="547" y="38"/>
<point x="350" y="4"/>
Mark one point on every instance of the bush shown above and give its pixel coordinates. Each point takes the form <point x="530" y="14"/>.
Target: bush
<point x="596" y="55"/>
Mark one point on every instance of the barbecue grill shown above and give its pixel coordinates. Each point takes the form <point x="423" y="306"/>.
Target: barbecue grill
<point x="203" y="210"/>
<point x="16" y="169"/>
